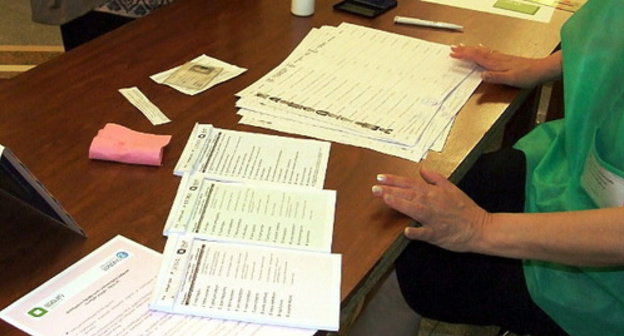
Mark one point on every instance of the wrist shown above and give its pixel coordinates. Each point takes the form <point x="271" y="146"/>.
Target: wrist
<point x="549" y="68"/>
<point x="493" y="239"/>
<point x="481" y="240"/>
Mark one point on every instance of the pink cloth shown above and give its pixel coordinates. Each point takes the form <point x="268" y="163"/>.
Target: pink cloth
<point x="117" y="143"/>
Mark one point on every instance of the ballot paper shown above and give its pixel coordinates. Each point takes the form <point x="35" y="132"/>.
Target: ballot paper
<point x="223" y="71"/>
<point x="433" y="138"/>
<point x="234" y="156"/>
<point x="363" y="87"/>
<point x="299" y="218"/>
<point x="249" y="283"/>
<point x="107" y="293"/>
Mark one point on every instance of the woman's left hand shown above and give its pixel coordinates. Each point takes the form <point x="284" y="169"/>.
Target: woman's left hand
<point x="449" y="218"/>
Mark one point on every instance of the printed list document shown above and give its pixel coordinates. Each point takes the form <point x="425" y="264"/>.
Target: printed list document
<point x="364" y="87"/>
<point x="234" y="156"/>
<point x="107" y="293"/>
<point x="290" y="217"/>
<point x="249" y="283"/>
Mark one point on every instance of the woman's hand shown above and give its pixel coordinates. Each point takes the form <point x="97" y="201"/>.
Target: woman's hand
<point x="449" y="218"/>
<point x="508" y="69"/>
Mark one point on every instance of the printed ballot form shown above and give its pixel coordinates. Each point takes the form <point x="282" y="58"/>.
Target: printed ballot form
<point x="249" y="283"/>
<point x="364" y="87"/>
<point x="234" y="156"/>
<point x="300" y="218"/>
<point x="107" y="293"/>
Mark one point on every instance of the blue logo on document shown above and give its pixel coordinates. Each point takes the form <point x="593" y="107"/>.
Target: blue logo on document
<point x="119" y="256"/>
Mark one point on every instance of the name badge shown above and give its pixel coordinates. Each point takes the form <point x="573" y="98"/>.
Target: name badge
<point x="605" y="188"/>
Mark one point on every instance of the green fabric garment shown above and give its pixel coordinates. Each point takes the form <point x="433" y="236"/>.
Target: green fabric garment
<point x="583" y="301"/>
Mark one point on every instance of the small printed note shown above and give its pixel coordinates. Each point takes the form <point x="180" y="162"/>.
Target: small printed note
<point x="141" y="102"/>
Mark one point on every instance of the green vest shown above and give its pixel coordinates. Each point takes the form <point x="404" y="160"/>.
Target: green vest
<point x="583" y="301"/>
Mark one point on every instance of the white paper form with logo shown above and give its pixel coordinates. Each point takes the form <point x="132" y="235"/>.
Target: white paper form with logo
<point x="249" y="283"/>
<point x="279" y="216"/>
<point x="234" y="156"/>
<point x="107" y="293"/>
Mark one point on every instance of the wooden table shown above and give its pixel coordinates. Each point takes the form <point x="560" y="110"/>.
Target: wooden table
<point x="48" y="117"/>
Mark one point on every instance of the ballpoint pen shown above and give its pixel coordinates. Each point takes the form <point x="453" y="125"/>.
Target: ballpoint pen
<point x="426" y="23"/>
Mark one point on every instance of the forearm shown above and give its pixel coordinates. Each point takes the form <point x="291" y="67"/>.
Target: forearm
<point x="581" y="238"/>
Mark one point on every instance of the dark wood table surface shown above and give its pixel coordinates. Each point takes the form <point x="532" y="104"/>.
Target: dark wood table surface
<point x="48" y="117"/>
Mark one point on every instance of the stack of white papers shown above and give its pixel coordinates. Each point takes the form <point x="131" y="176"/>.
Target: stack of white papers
<point x="250" y="232"/>
<point x="363" y="87"/>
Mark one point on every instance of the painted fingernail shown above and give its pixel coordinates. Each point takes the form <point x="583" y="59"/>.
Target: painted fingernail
<point x="376" y="190"/>
<point x="381" y="177"/>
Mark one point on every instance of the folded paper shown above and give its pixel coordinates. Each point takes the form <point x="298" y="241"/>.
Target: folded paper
<point x="117" y="143"/>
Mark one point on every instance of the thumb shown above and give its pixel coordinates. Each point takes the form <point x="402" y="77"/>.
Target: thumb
<point x="417" y="233"/>
<point x="496" y="77"/>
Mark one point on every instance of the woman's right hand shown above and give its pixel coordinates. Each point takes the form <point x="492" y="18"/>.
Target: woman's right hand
<point x="508" y="69"/>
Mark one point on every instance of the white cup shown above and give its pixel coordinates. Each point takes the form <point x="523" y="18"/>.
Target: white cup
<point x="302" y="7"/>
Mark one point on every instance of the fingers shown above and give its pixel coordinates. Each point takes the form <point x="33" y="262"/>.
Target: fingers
<point x="405" y="205"/>
<point x="395" y="180"/>
<point x="385" y="191"/>
<point x="481" y="55"/>
<point x="401" y="187"/>
<point x="405" y="187"/>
